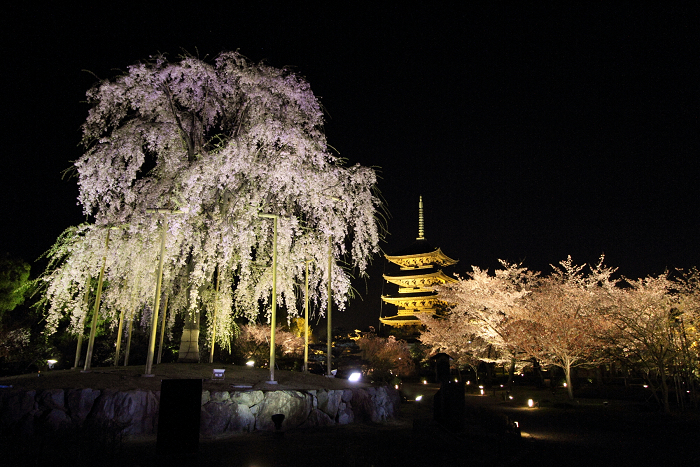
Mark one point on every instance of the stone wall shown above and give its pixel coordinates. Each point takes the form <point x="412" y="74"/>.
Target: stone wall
<point x="136" y="412"/>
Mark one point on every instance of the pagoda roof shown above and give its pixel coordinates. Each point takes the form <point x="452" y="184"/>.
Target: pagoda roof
<point x="400" y="320"/>
<point x="419" y="259"/>
<point x="420" y="280"/>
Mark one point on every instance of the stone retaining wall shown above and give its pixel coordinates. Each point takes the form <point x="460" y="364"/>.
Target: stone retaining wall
<point x="136" y="412"/>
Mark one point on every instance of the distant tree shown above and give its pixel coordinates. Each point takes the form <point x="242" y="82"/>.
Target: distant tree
<point x="562" y="321"/>
<point x="388" y="357"/>
<point x="253" y="342"/>
<point x="215" y="144"/>
<point x="14" y="280"/>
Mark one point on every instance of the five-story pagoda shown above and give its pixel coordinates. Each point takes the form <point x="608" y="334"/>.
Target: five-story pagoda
<point x="420" y="269"/>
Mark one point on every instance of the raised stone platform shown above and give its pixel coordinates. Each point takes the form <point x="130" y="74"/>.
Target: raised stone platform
<point x="135" y="412"/>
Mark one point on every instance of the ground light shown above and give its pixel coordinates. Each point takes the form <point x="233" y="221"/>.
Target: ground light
<point x="419" y="398"/>
<point x="530" y="403"/>
<point x="51" y="363"/>
<point x="250" y="363"/>
<point x="354" y="377"/>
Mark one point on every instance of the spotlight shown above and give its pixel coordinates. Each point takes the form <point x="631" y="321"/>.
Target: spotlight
<point x="250" y="363"/>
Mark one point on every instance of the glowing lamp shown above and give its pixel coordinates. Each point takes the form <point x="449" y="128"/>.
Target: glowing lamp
<point x="419" y="398"/>
<point x="355" y="377"/>
<point x="250" y="363"/>
<point x="530" y="403"/>
<point x="51" y="363"/>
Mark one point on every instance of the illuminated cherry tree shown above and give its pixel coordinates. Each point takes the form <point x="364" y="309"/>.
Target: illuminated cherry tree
<point x="562" y="321"/>
<point x="655" y="330"/>
<point x="484" y="308"/>
<point x="193" y="152"/>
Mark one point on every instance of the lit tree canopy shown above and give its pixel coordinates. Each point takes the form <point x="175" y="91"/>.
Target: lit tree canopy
<point x="563" y="319"/>
<point x="484" y="308"/>
<point x="215" y="145"/>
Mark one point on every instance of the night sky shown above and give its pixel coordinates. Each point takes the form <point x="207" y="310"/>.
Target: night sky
<point x="532" y="133"/>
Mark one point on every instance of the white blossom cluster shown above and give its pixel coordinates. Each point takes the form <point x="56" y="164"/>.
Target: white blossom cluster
<point x="215" y="145"/>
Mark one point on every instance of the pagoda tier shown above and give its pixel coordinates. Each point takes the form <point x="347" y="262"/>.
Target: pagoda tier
<point x="408" y="283"/>
<point x="419" y="304"/>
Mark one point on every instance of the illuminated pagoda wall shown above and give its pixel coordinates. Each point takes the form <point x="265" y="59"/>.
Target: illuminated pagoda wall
<point x="418" y="270"/>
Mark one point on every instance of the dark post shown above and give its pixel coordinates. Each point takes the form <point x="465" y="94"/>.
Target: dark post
<point x="448" y="408"/>
<point x="178" y="416"/>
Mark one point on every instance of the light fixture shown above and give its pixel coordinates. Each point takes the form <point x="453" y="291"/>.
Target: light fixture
<point x="250" y="363"/>
<point x="530" y="403"/>
<point x="51" y="363"/>
<point x="355" y="377"/>
<point x="419" y="398"/>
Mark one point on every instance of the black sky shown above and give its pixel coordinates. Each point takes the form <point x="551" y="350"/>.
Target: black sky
<point x="532" y="132"/>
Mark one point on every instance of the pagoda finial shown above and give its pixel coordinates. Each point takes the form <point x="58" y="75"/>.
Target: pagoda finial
<point x="421" y="231"/>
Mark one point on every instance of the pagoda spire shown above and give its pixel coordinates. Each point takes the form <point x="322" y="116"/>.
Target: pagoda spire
<point x="421" y="230"/>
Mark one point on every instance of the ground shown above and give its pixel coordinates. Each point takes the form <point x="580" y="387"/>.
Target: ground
<point x="587" y="431"/>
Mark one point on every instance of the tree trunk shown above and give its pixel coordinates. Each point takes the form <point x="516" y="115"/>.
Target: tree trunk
<point x="664" y="389"/>
<point x="569" y="386"/>
<point x="189" y="343"/>
<point x="511" y="374"/>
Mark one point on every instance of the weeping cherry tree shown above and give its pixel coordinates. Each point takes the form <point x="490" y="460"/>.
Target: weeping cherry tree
<point x="191" y="153"/>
